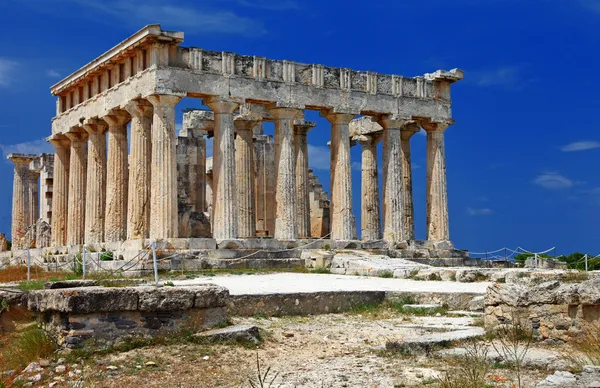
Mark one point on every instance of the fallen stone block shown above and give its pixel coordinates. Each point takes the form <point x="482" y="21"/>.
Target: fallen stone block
<point x="426" y="344"/>
<point x="245" y="334"/>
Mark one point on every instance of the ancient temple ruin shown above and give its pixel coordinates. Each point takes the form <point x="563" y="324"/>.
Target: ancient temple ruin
<point x="98" y="191"/>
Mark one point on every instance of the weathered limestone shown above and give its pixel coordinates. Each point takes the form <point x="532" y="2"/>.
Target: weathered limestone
<point x="264" y="161"/>
<point x="244" y="173"/>
<point x="60" y="189"/>
<point x="140" y="157"/>
<point x="438" y="227"/>
<point x="393" y="199"/>
<point x="301" y="129"/>
<point x="115" y="227"/>
<point x="409" y="212"/>
<point x="286" y="227"/>
<point x="43" y="234"/>
<point x="342" y="220"/>
<point x="77" y="188"/>
<point x="3" y="243"/>
<point x="163" y="188"/>
<point x="96" y="181"/>
<point x="320" y="220"/>
<point x="34" y="196"/>
<point x="46" y="165"/>
<point x="371" y="216"/>
<point x="225" y="217"/>
<point x="21" y="198"/>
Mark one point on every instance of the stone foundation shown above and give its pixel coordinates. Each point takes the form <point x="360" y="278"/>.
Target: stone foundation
<point x="554" y="311"/>
<point x="99" y="316"/>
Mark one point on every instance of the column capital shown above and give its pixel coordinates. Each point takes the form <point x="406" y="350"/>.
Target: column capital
<point x="301" y="127"/>
<point x="77" y="135"/>
<point x="369" y="140"/>
<point x="282" y="113"/>
<point x="139" y="108"/>
<point x="34" y="174"/>
<point x="21" y="159"/>
<point x="93" y="126"/>
<point x="435" y="126"/>
<point x="159" y="100"/>
<point x="59" y="141"/>
<point x="336" y="118"/>
<point x="246" y="122"/>
<point x="393" y="121"/>
<point x="409" y="130"/>
<point x="222" y="105"/>
<point x="116" y="119"/>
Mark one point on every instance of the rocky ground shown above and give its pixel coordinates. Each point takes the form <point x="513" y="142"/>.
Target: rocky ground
<point x="334" y="350"/>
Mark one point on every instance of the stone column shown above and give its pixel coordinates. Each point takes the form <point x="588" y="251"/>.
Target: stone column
<point x="21" y="198"/>
<point x="393" y="198"/>
<point x="34" y="196"/>
<point x="409" y="212"/>
<point x="438" y="227"/>
<point x="370" y="213"/>
<point x="115" y="223"/>
<point x="301" y="129"/>
<point x="342" y="220"/>
<point x="138" y="199"/>
<point x="225" y="215"/>
<point x="244" y="173"/>
<point x="286" y="227"/>
<point x="77" y="188"/>
<point x="96" y="181"/>
<point x="163" y="187"/>
<point x="60" y="189"/>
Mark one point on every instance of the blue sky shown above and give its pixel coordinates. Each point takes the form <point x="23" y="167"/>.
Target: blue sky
<point x="522" y="159"/>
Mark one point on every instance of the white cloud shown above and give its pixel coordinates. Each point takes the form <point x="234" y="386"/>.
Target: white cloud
<point x="552" y="181"/>
<point x="7" y="67"/>
<point x="31" y="147"/>
<point x="318" y="157"/>
<point x="580" y="146"/>
<point x="52" y="73"/>
<point x="194" y="17"/>
<point x="479" y="212"/>
<point x="507" y="77"/>
<point x="356" y="166"/>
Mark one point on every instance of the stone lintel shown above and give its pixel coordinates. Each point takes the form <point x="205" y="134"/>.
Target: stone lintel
<point x="21" y="159"/>
<point x="452" y="76"/>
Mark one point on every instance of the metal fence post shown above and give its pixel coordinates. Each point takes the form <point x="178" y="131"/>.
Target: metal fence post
<point x="586" y="262"/>
<point x="83" y="261"/>
<point x="28" y="265"/>
<point x="155" y="263"/>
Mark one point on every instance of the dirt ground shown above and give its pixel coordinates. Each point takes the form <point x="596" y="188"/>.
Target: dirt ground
<point x="334" y="350"/>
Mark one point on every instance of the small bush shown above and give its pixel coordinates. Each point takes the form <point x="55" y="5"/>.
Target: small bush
<point x="386" y="273"/>
<point x="320" y="270"/>
<point x="168" y="284"/>
<point x="471" y="370"/>
<point x="107" y="256"/>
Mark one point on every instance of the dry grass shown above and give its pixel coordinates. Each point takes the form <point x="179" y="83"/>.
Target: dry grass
<point x="19" y="273"/>
<point x="587" y="349"/>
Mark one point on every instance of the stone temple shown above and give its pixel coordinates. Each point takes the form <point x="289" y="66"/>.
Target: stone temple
<point x="121" y="176"/>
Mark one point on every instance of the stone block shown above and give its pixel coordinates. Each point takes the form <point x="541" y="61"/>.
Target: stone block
<point x="378" y="244"/>
<point x="170" y="244"/>
<point x="83" y="300"/>
<point x="166" y="298"/>
<point x="245" y="334"/>
<point x="210" y="296"/>
<point x="202" y="243"/>
<point x="134" y="245"/>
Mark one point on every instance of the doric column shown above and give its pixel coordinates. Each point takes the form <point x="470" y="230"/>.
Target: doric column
<point x="286" y="227"/>
<point x="225" y="215"/>
<point x="409" y="211"/>
<point x="342" y="220"/>
<point x="393" y="198"/>
<point x="438" y="228"/>
<point x="96" y="181"/>
<point x="138" y="199"/>
<point x="163" y="187"/>
<point x="370" y="213"/>
<point x="21" y="198"/>
<point x="34" y="196"/>
<point x="60" y="189"/>
<point x="115" y="223"/>
<point x="301" y="128"/>
<point x="244" y="173"/>
<point x="77" y="188"/>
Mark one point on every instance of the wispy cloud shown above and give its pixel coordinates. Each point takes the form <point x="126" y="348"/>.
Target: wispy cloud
<point x="505" y="77"/>
<point x="553" y="181"/>
<point x="318" y="157"/>
<point x="38" y="146"/>
<point x="593" y="5"/>
<point x="356" y="166"/>
<point x="206" y="17"/>
<point x="269" y="4"/>
<point x="7" y="67"/>
<point x="52" y="73"/>
<point x="479" y="212"/>
<point x="580" y="146"/>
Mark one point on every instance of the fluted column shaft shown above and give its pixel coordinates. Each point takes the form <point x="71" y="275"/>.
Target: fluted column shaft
<point x="60" y="191"/>
<point x="34" y="197"/>
<point x="77" y="188"/>
<point x="342" y="220"/>
<point x="96" y="182"/>
<point x="115" y="226"/>
<point x="225" y="213"/>
<point x="244" y="172"/>
<point x="163" y="188"/>
<point x="138" y="199"/>
<point x="286" y="227"/>
<point x="393" y="197"/>
<point x="409" y="212"/>
<point x="370" y="213"/>
<point x="302" y="184"/>
<point x="20" y="200"/>
<point x="438" y="227"/>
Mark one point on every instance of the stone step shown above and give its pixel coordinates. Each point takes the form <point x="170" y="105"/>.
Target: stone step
<point x="428" y="308"/>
